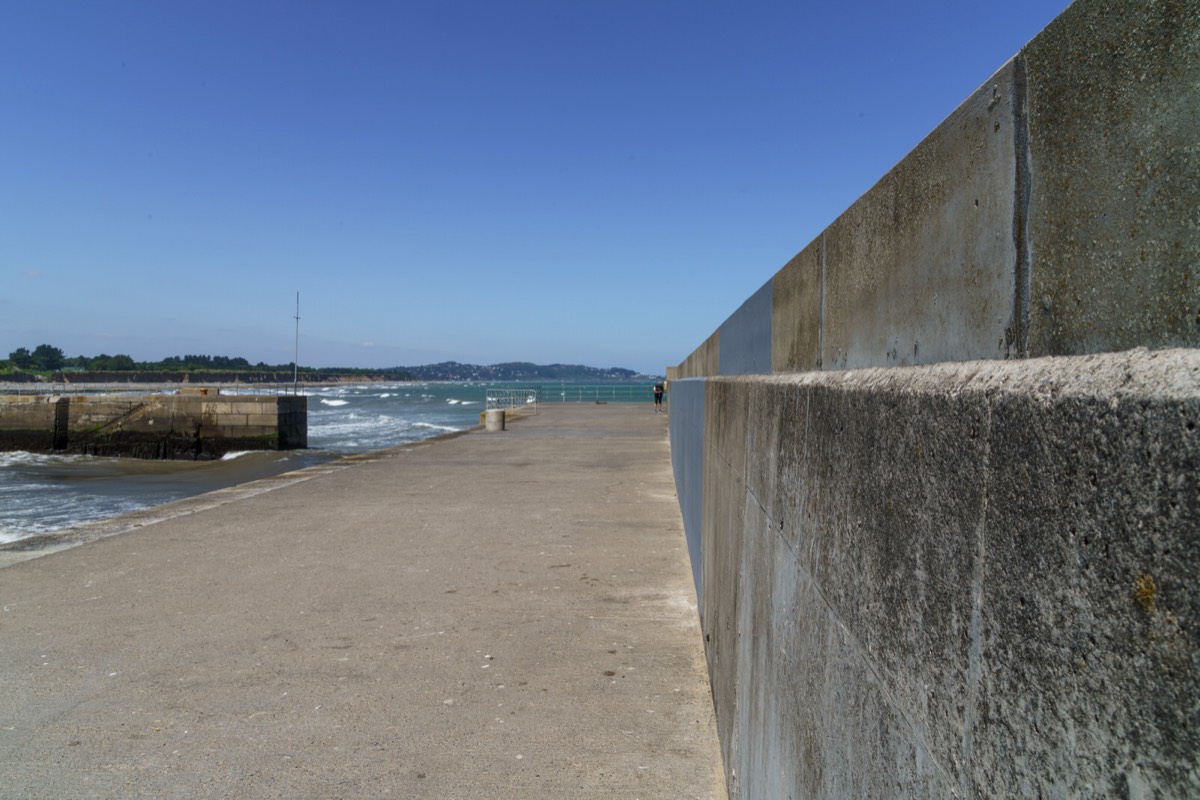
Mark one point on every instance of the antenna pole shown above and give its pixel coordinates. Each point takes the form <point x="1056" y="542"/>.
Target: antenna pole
<point x="296" y="362"/>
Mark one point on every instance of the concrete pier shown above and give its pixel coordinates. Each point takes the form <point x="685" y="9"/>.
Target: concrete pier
<point x="479" y="616"/>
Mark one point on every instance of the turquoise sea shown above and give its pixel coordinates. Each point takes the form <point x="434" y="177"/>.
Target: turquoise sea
<point x="41" y="493"/>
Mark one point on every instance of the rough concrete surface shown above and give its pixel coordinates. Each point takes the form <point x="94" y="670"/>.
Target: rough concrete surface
<point x="746" y="336"/>
<point x="1114" y="206"/>
<point x="492" y="615"/>
<point x="797" y="313"/>
<point x="704" y="360"/>
<point x="1055" y="212"/>
<point x="687" y="461"/>
<point x="921" y="268"/>
<point x="968" y="580"/>
<point x="975" y="578"/>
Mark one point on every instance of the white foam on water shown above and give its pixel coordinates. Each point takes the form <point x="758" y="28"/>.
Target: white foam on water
<point x="235" y="454"/>
<point x="431" y="426"/>
<point x="40" y="493"/>
<point x="7" y="536"/>
<point x="33" y="518"/>
<point x="19" y="458"/>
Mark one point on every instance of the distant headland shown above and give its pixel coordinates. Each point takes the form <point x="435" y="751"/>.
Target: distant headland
<point x="48" y="364"/>
<point x="520" y="371"/>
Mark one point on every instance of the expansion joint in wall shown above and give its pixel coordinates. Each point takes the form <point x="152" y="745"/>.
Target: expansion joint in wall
<point x="975" y="648"/>
<point x="1017" y="336"/>
<point x="821" y="308"/>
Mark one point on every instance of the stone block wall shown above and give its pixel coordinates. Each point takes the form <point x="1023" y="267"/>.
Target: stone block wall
<point x="192" y="425"/>
<point x="34" y="423"/>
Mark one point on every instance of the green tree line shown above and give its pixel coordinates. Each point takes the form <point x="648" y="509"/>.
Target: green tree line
<point x="47" y="358"/>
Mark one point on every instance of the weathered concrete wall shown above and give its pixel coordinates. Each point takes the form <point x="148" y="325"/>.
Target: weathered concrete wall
<point x="1056" y="212"/>
<point x="972" y="579"/>
<point x="33" y="423"/>
<point x="1114" y="192"/>
<point x="687" y="458"/>
<point x="946" y="527"/>
<point x="190" y="425"/>
<point x="745" y="338"/>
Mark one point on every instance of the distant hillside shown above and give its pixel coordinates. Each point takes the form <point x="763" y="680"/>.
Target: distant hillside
<point x="47" y="364"/>
<point x="518" y="371"/>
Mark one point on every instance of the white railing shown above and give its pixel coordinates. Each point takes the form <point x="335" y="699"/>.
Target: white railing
<point x="526" y="398"/>
<point x="598" y="393"/>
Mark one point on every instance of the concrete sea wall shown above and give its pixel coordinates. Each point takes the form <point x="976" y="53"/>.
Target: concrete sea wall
<point x="192" y="425"/>
<point x="939" y="474"/>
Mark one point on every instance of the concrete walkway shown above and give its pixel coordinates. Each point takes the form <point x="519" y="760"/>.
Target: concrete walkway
<point x="492" y="615"/>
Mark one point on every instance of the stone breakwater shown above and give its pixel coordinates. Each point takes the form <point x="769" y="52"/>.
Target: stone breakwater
<point x="197" y="425"/>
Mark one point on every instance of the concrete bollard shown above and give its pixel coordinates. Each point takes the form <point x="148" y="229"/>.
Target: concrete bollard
<point x="494" y="420"/>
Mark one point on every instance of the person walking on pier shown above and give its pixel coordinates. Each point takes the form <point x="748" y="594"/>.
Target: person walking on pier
<point x="658" y="393"/>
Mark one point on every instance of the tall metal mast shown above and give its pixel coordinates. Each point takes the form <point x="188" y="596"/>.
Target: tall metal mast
<point x="296" y="362"/>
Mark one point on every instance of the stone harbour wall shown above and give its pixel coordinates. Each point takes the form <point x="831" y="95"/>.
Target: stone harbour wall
<point x="188" y="426"/>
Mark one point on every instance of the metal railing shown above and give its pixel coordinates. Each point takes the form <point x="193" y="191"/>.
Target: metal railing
<point x="512" y="398"/>
<point x="598" y="393"/>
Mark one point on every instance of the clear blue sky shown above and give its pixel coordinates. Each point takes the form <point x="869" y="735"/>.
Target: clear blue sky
<point x="596" y="182"/>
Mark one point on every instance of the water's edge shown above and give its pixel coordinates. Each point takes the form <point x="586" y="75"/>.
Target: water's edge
<point x="41" y="544"/>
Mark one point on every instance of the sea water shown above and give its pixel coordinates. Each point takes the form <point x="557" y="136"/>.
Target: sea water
<point x="41" y="493"/>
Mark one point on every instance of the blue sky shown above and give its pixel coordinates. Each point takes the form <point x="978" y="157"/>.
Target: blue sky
<point x="578" y="182"/>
